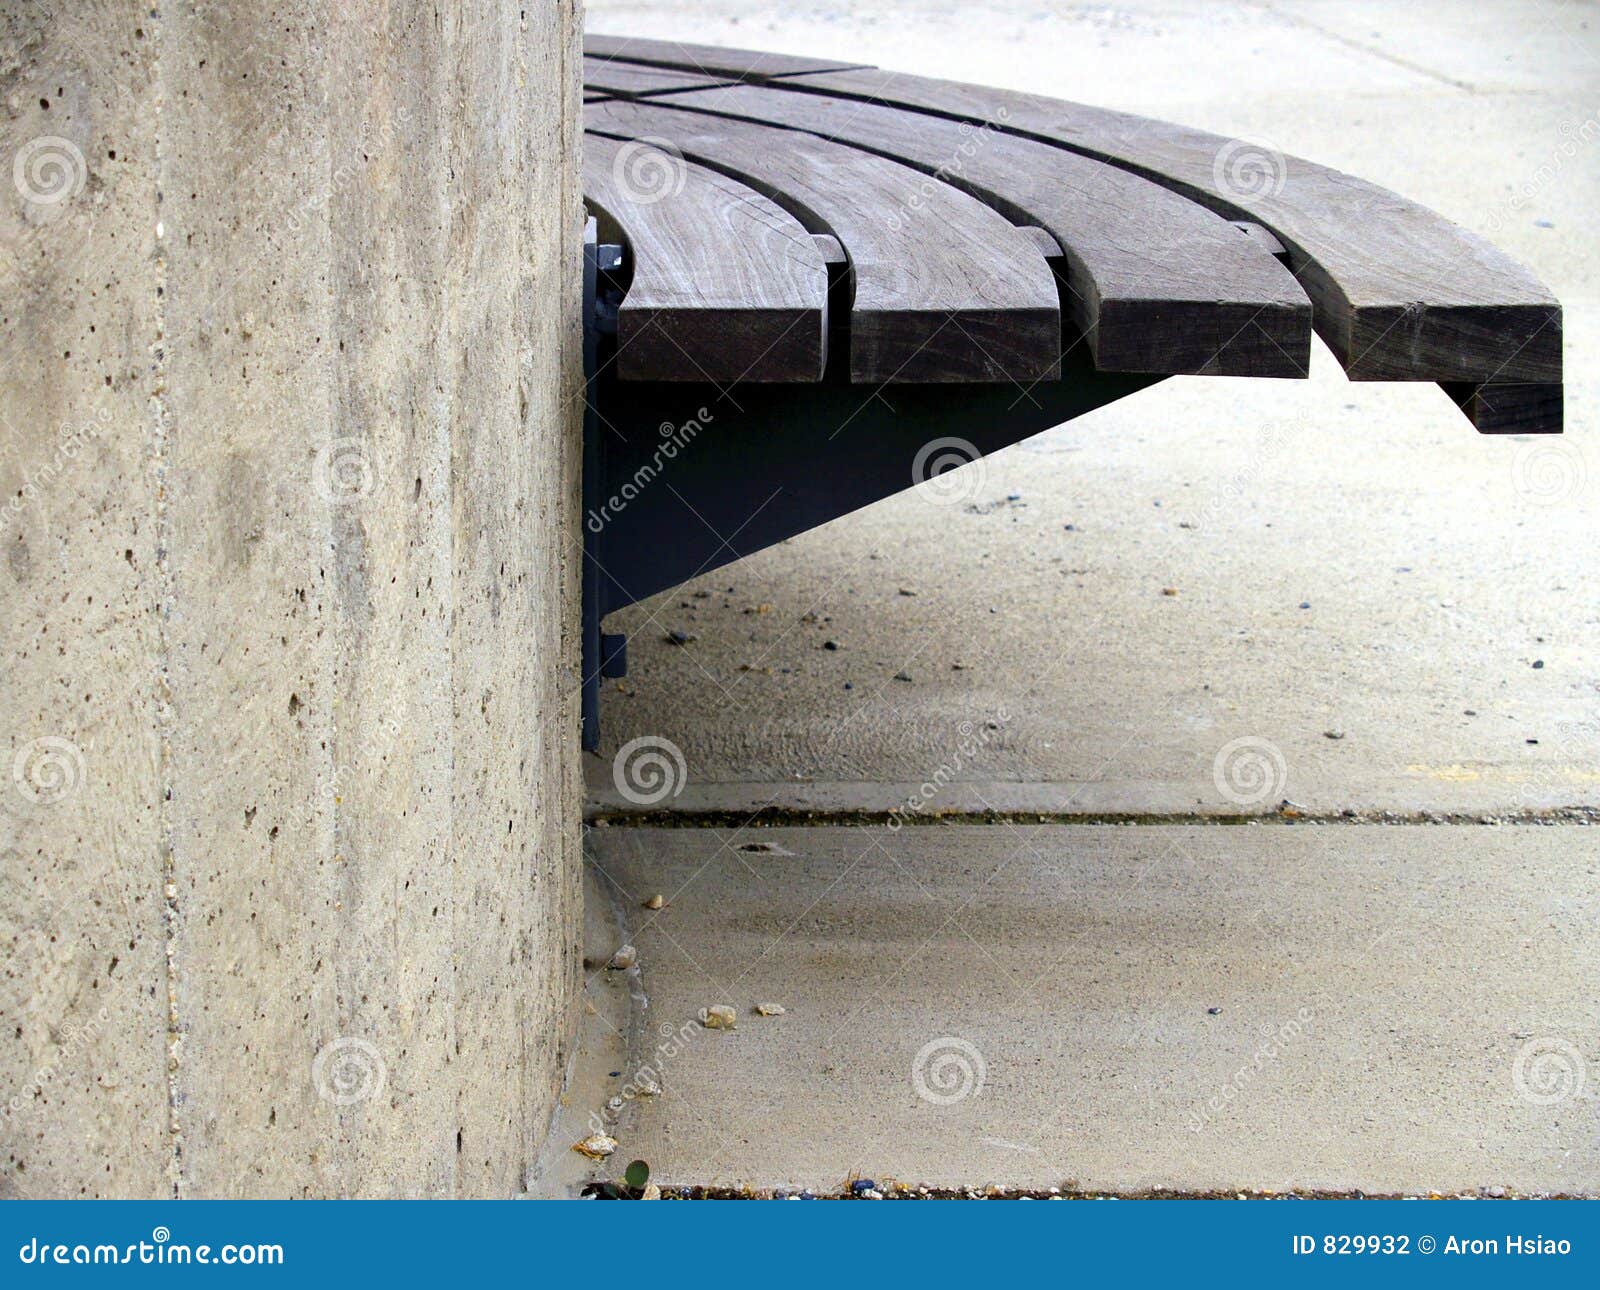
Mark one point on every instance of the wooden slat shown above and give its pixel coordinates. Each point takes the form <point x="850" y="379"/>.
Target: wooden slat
<point x="1510" y="408"/>
<point x="726" y="285"/>
<point x="1400" y="292"/>
<point x="1157" y="283"/>
<point x="636" y="80"/>
<point x="709" y="60"/>
<point x="945" y="289"/>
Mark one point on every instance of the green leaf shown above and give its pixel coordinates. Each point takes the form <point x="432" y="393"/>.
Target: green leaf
<point x="637" y="1174"/>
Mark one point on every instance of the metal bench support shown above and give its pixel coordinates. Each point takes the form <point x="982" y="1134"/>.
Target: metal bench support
<point x="683" y="477"/>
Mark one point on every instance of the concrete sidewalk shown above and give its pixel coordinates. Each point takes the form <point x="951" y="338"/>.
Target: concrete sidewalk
<point x="1347" y="1007"/>
<point x="1205" y="602"/>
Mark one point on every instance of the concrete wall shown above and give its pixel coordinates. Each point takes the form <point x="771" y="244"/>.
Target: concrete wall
<point x="289" y="438"/>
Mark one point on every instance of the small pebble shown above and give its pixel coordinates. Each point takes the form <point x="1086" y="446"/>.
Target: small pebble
<point x="597" y="1146"/>
<point x="675" y="637"/>
<point x="1169" y="591"/>
<point x="651" y="1192"/>
<point x="770" y="1009"/>
<point x="1333" y="734"/>
<point x="1213" y="1012"/>
<point x="718" y="1017"/>
<point x="1538" y="664"/>
<point x="623" y="959"/>
<point x="1305" y="604"/>
<point x="902" y="676"/>
<point x="830" y="644"/>
<point x="861" y="1185"/>
<point x="655" y="902"/>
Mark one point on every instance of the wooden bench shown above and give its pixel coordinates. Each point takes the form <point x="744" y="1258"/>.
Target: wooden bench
<point x="846" y="262"/>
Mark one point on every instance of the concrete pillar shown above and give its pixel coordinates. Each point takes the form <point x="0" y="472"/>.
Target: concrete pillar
<point x="289" y="439"/>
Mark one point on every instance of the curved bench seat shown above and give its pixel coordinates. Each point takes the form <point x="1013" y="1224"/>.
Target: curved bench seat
<point x="1162" y="236"/>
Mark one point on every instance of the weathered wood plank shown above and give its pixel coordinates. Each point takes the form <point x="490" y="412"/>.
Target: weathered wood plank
<point x="1156" y="282"/>
<point x="709" y="60"/>
<point x="1400" y="292"/>
<point x="1510" y="408"/>
<point x="945" y="289"/>
<point x="726" y="285"/>
<point x="637" y="80"/>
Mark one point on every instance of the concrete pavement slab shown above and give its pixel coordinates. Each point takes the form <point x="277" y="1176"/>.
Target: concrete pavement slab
<point x="1383" y="1009"/>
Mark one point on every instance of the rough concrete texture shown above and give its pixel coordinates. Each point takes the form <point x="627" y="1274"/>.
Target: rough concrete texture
<point x="1121" y="1008"/>
<point x="1343" y="559"/>
<point x="291" y="884"/>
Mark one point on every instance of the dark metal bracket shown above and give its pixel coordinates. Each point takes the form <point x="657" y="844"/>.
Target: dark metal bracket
<point x="682" y="478"/>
